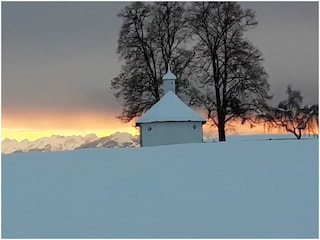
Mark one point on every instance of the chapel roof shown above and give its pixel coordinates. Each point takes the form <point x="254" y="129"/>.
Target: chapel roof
<point x="170" y="109"/>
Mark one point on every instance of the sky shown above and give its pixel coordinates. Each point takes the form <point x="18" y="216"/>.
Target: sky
<point x="58" y="59"/>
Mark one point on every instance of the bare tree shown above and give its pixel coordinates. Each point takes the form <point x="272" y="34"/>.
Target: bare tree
<point x="152" y="36"/>
<point x="229" y="79"/>
<point x="290" y="116"/>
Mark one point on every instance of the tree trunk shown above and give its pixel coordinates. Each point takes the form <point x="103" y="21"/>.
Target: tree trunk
<point x="222" y="133"/>
<point x="298" y="135"/>
<point x="221" y="127"/>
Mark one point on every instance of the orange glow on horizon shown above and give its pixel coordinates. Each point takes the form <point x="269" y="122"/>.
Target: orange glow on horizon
<point x="237" y="128"/>
<point x="32" y="126"/>
<point x="33" y="134"/>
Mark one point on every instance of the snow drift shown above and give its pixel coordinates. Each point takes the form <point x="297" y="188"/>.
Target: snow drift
<point x="245" y="189"/>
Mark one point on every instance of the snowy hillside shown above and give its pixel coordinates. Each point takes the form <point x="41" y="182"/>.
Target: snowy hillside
<point x="61" y="143"/>
<point x="245" y="189"/>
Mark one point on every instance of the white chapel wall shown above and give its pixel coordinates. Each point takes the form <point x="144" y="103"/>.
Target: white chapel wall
<point x="153" y="134"/>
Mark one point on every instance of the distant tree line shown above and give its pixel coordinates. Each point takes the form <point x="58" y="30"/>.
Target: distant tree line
<point x="218" y="70"/>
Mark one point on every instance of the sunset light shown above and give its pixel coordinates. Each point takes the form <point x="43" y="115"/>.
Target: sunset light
<point x="33" y="134"/>
<point x="35" y="126"/>
<point x="22" y="125"/>
<point x="100" y="125"/>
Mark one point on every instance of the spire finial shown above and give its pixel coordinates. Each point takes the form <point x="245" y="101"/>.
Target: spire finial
<point x="168" y="67"/>
<point x="169" y="75"/>
<point x="169" y="80"/>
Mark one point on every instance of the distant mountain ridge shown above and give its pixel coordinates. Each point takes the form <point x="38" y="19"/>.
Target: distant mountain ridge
<point x="62" y="143"/>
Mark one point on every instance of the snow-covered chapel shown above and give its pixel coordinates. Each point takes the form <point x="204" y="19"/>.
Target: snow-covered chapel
<point x="170" y="121"/>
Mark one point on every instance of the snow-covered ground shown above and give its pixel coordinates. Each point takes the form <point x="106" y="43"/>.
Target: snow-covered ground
<point x="242" y="188"/>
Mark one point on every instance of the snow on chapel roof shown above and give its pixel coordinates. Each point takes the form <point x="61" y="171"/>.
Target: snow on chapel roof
<point x="170" y="108"/>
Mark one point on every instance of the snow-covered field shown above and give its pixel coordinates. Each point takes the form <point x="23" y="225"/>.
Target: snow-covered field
<point x="244" y="188"/>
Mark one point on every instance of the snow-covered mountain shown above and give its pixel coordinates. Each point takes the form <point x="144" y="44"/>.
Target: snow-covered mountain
<point x="61" y="143"/>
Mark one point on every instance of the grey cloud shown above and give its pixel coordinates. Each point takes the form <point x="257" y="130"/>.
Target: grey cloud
<point x="63" y="54"/>
<point x="287" y="34"/>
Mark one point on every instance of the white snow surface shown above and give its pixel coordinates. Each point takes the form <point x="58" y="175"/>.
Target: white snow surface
<point x="235" y="189"/>
<point x="170" y="108"/>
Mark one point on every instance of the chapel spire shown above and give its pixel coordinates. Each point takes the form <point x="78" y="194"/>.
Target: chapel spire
<point x="169" y="80"/>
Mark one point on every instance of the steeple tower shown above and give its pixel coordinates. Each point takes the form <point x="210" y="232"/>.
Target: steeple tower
<point x="169" y="81"/>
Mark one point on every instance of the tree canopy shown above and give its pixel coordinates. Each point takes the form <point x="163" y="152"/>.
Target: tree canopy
<point x="151" y="37"/>
<point x="217" y="68"/>
<point x="291" y="116"/>
<point x="231" y="81"/>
